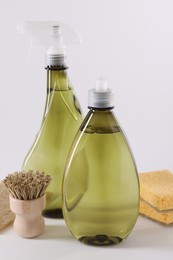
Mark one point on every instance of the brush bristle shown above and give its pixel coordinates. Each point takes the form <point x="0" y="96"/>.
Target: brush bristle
<point x="27" y="185"/>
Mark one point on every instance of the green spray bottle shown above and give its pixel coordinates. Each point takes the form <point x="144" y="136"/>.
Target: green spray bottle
<point x="62" y="115"/>
<point x="100" y="184"/>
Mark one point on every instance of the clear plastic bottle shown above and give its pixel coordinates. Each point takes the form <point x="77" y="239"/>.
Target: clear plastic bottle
<point x="100" y="185"/>
<point x="62" y="117"/>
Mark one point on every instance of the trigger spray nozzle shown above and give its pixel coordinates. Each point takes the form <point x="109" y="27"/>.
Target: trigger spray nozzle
<point x="53" y="36"/>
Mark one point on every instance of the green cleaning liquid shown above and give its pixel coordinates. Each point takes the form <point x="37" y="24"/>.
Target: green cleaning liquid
<point x="61" y="119"/>
<point x="100" y="186"/>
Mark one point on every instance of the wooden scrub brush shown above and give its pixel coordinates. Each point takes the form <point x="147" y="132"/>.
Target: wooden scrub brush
<point x="27" y="200"/>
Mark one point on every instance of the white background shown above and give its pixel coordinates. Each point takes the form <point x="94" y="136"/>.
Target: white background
<point x="130" y="42"/>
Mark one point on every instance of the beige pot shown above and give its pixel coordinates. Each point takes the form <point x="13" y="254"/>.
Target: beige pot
<point x="28" y="221"/>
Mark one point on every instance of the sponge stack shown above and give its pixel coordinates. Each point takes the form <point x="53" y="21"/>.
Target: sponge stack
<point x="156" y="195"/>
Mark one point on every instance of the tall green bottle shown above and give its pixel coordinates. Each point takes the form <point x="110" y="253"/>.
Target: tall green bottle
<point x="100" y="185"/>
<point x="62" y="117"/>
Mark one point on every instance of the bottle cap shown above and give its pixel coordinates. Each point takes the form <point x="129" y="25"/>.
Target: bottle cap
<point x="101" y="96"/>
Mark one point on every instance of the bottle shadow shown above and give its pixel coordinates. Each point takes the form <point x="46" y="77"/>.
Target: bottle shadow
<point x="53" y="232"/>
<point x="146" y="234"/>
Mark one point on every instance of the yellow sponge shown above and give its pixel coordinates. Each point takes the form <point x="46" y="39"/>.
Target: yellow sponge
<point x="156" y="192"/>
<point x="165" y="217"/>
<point x="156" y="188"/>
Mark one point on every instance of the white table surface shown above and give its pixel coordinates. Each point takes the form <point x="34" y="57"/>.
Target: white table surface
<point x="148" y="240"/>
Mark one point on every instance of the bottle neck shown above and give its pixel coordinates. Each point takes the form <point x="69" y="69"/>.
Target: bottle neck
<point x="100" y="113"/>
<point x="100" y="121"/>
<point x="57" y="80"/>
